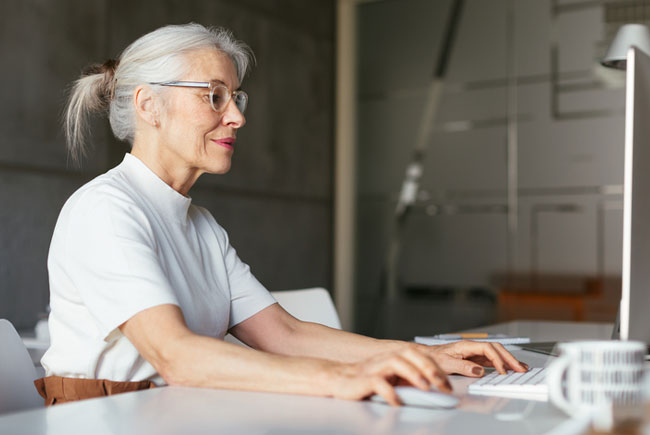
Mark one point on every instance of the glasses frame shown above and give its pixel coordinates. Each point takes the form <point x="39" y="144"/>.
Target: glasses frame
<point x="232" y="95"/>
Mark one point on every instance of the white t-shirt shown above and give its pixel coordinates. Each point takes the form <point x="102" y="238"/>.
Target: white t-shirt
<point x="125" y="242"/>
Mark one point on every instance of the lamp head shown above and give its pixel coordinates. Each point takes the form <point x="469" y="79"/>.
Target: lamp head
<point x="628" y="35"/>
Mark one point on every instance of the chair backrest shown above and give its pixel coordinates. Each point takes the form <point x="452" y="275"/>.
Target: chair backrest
<point x="17" y="372"/>
<point x="311" y="305"/>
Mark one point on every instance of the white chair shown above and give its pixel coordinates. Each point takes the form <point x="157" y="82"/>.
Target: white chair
<point x="17" y="373"/>
<point x="311" y="305"/>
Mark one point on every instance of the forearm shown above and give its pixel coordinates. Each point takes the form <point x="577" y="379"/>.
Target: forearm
<point x="182" y="357"/>
<point x="315" y="340"/>
<point x="207" y="362"/>
<point x="274" y="330"/>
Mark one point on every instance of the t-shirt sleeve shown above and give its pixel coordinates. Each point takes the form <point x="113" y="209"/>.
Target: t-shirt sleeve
<point x="111" y="257"/>
<point x="247" y="295"/>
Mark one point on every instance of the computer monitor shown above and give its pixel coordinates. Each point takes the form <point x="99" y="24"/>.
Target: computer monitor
<point x="635" y="297"/>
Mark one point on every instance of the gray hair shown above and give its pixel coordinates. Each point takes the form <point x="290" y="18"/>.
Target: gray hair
<point x="155" y="57"/>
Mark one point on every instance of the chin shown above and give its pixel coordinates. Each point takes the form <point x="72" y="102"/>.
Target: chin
<point x="214" y="163"/>
<point x="219" y="169"/>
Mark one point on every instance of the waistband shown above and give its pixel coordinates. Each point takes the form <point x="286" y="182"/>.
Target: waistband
<point x="58" y="389"/>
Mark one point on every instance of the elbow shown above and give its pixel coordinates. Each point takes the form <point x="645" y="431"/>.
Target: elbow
<point x="170" y="365"/>
<point x="170" y="374"/>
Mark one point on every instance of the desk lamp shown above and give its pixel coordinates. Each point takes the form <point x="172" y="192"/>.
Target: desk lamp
<point x="628" y="35"/>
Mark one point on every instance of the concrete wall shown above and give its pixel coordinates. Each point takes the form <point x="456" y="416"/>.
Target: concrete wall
<point x="275" y="202"/>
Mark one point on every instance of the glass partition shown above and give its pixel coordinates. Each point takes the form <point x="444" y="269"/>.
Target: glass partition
<point x="518" y="209"/>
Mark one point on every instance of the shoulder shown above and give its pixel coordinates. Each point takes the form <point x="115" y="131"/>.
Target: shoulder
<point x="105" y="200"/>
<point x="203" y="213"/>
<point x="107" y="190"/>
<point x="206" y="222"/>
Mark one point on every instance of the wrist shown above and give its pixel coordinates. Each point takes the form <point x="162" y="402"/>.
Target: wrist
<point x="331" y="375"/>
<point x="398" y="346"/>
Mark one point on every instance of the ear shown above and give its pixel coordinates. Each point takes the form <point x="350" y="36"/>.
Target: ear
<point x="146" y="105"/>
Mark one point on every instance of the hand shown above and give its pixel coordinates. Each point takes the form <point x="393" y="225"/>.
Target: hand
<point x="468" y="357"/>
<point x="379" y="374"/>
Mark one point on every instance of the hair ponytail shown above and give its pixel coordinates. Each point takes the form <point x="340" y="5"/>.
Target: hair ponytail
<point x="92" y="92"/>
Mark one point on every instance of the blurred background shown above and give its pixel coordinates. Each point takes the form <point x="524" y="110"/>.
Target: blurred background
<point x="519" y="208"/>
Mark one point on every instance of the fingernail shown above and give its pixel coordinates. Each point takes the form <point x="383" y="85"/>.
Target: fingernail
<point x="524" y="365"/>
<point x="477" y="371"/>
<point x="424" y="383"/>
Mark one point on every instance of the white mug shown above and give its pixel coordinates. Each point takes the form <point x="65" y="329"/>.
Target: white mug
<point x="598" y="377"/>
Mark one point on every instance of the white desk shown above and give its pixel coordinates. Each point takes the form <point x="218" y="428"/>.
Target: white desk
<point x="552" y="331"/>
<point x="176" y="410"/>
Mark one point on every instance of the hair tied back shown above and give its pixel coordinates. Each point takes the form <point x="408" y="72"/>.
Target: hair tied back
<point x="107" y="69"/>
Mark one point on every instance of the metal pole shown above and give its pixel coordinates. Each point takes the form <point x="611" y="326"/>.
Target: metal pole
<point x="345" y="163"/>
<point x="512" y="145"/>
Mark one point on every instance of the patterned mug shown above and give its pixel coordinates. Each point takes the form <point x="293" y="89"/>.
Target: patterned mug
<point x="600" y="379"/>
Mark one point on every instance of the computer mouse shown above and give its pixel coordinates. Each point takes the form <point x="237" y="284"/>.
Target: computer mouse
<point x="411" y="396"/>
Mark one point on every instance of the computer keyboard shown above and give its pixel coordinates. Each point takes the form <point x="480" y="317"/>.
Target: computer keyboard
<point x="529" y="385"/>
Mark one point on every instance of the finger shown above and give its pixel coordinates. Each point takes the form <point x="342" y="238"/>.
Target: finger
<point x="441" y="382"/>
<point x="405" y="369"/>
<point x="433" y="373"/>
<point x="488" y="350"/>
<point x="509" y="359"/>
<point x="481" y="360"/>
<point x="463" y="367"/>
<point x="386" y="390"/>
<point x="484" y="362"/>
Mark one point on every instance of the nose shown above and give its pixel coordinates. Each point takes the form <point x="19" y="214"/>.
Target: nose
<point x="232" y="117"/>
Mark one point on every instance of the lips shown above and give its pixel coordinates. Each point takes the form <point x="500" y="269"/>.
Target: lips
<point x="226" y="142"/>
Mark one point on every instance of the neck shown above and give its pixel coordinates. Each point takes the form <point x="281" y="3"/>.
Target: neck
<point x="166" y="164"/>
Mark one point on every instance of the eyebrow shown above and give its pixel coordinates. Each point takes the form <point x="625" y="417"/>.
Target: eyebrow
<point x="224" y="83"/>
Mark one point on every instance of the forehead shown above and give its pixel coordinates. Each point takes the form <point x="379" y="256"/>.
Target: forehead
<point x="208" y="65"/>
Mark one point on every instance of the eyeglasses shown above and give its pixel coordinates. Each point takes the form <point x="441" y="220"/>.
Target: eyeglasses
<point x="220" y="95"/>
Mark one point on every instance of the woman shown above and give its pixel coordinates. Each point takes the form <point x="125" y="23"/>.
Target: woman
<point x="144" y="284"/>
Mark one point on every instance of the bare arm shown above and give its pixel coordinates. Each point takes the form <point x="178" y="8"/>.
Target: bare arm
<point x="275" y="330"/>
<point x="182" y="357"/>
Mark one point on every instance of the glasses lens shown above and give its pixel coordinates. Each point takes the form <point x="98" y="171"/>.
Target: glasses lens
<point x="241" y="101"/>
<point x="219" y="98"/>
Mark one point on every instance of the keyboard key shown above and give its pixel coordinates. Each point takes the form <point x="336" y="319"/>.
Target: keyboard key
<point x="529" y="385"/>
<point x="526" y="376"/>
